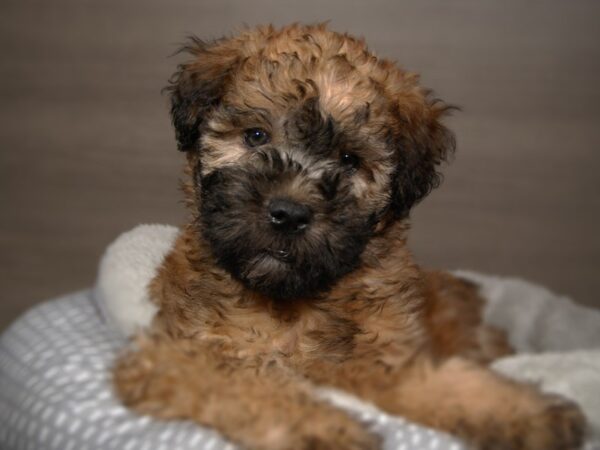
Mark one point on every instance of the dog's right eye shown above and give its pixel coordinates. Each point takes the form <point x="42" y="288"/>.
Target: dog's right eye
<point x="256" y="136"/>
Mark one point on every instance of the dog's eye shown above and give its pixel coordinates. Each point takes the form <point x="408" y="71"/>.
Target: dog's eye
<point x="256" y="136"/>
<point x="350" y="161"/>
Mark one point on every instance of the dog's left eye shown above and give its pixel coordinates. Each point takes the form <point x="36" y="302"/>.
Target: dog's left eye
<point x="256" y="136"/>
<point x="350" y="161"/>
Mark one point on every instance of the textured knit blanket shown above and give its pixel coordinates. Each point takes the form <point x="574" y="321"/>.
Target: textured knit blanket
<point x="55" y="361"/>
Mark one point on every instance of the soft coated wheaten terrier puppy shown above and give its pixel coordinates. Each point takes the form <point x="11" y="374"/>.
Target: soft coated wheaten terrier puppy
<point x="305" y="153"/>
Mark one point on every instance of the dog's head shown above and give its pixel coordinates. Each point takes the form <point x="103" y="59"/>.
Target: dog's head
<point x="301" y="143"/>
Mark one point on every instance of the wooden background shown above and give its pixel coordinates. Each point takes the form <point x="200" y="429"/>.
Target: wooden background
<point x="87" y="151"/>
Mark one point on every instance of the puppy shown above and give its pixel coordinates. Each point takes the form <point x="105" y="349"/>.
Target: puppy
<point x="305" y="153"/>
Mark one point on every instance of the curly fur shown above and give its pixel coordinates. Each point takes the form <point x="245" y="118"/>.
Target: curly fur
<point x="252" y="317"/>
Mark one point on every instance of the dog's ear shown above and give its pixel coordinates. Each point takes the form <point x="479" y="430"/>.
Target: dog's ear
<point x="422" y="143"/>
<point x="198" y="86"/>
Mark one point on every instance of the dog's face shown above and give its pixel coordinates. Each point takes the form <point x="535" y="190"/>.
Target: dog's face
<point x="301" y="144"/>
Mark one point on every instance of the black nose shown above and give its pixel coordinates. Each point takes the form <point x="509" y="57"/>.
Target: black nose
<point x="289" y="216"/>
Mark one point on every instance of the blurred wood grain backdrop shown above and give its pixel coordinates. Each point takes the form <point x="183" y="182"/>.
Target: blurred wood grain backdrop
<point x="87" y="150"/>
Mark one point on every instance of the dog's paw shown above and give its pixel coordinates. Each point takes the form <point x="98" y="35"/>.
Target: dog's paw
<point x="351" y="436"/>
<point x="345" y="437"/>
<point x="559" y="426"/>
<point x="149" y="388"/>
<point x="335" y="431"/>
<point x="555" y="424"/>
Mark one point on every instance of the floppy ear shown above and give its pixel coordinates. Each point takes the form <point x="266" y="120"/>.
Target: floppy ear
<point x="423" y="143"/>
<point x="198" y="86"/>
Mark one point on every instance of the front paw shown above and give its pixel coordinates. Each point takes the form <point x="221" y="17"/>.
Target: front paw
<point x="555" y="424"/>
<point x="151" y="388"/>
<point x="559" y="426"/>
<point x="343" y="436"/>
<point x="334" y="431"/>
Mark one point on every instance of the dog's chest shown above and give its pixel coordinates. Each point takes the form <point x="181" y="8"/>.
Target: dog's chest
<point x="313" y="334"/>
<point x="305" y="336"/>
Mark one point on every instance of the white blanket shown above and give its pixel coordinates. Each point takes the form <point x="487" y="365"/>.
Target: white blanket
<point x="558" y="341"/>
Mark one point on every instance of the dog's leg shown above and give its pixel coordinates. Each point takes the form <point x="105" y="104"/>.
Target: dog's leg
<point x="471" y="401"/>
<point x="258" y="404"/>
<point x="454" y="317"/>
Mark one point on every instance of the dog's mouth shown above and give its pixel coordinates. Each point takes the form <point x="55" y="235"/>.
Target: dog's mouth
<point x="267" y="266"/>
<point x="280" y="255"/>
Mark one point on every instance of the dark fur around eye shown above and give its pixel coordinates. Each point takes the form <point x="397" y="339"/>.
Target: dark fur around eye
<point x="255" y="137"/>
<point x="350" y="161"/>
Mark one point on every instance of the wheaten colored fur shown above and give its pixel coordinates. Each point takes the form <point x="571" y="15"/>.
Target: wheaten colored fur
<point x="224" y="353"/>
